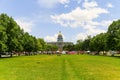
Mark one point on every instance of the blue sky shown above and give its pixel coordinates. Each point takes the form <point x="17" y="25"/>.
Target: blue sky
<point x="76" y="19"/>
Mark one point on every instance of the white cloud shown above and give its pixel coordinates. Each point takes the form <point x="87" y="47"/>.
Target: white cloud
<point x="84" y="18"/>
<point x="66" y="6"/>
<point x="91" y="4"/>
<point x="110" y="5"/>
<point x="63" y="1"/>
<point x="93" y="31"/>
<point x="106" y="23"/>
<point x="78" y="17"/>
<point x="25" y="24"/>
<point x="81" y="36"/>
<point x="51" y="3"/>
<point x="51" y="38"/>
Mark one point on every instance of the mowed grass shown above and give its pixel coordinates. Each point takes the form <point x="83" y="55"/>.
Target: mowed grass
<point x="64" y="67"/>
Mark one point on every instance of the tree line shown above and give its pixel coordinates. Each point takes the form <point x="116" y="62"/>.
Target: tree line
<point x="101" y="42"/>
<point x="13" y="38"/>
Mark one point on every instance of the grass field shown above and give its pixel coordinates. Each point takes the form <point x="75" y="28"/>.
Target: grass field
<point x="64" y="67"/>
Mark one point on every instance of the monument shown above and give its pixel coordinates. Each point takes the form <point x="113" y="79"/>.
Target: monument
<point x="60" y="43"/>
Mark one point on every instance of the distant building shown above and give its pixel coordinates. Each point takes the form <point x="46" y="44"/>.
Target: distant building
<point x="60" y="43"/>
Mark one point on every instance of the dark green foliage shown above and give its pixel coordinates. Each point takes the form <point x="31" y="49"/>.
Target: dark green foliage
<point x="83" y="44"/>
<point x="98" y="43"/>
<point x="41" y="44"/>
<point x="69" y="47"/>
<point x="86" y="44"/>
<point x="79" y="45"/>
<point x="51" y="48"/>
<point x="113" y="36"/>
<point x="12" y="38"/>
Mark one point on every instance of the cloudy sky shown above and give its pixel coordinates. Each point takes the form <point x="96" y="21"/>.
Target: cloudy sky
<point x="76" y="19"/>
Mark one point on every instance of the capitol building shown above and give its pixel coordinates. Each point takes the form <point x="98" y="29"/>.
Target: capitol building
<point x="60" y="43"/>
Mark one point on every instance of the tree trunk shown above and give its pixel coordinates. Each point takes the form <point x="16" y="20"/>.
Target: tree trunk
<point x="97" y="53"/>
<point x="10" y="54"/>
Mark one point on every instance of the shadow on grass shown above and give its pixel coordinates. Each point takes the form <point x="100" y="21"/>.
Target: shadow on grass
<point x="8" y="57"/>
<point x="115" y="56"/>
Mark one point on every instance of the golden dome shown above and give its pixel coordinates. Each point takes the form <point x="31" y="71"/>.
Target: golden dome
<point x="60" y="34"/>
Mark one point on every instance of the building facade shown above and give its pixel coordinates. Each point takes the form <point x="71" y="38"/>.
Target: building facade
<point x="60" y="43"/>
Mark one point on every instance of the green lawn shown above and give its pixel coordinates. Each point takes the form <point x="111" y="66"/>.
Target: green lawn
<point x="64" y="67"/>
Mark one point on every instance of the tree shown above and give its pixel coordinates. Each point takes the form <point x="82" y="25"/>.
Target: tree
<point x="10" y="31"/>
<point x="69" y="47"/>
<point x="98" y="43"/>
<point x="28" y="43"/>
<point x="79" y="45"/>
<point x="54" y="48"/>
<point x="41" y="44"/>
<point x="113" y="37"/>
<point x="13" y="38"/>
<point x="3" y="39"/>
<point x="3" y="34"/>
<point x="86" y="44"/>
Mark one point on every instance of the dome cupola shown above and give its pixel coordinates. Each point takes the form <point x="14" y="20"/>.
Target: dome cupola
<point x="60" y="37"/>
